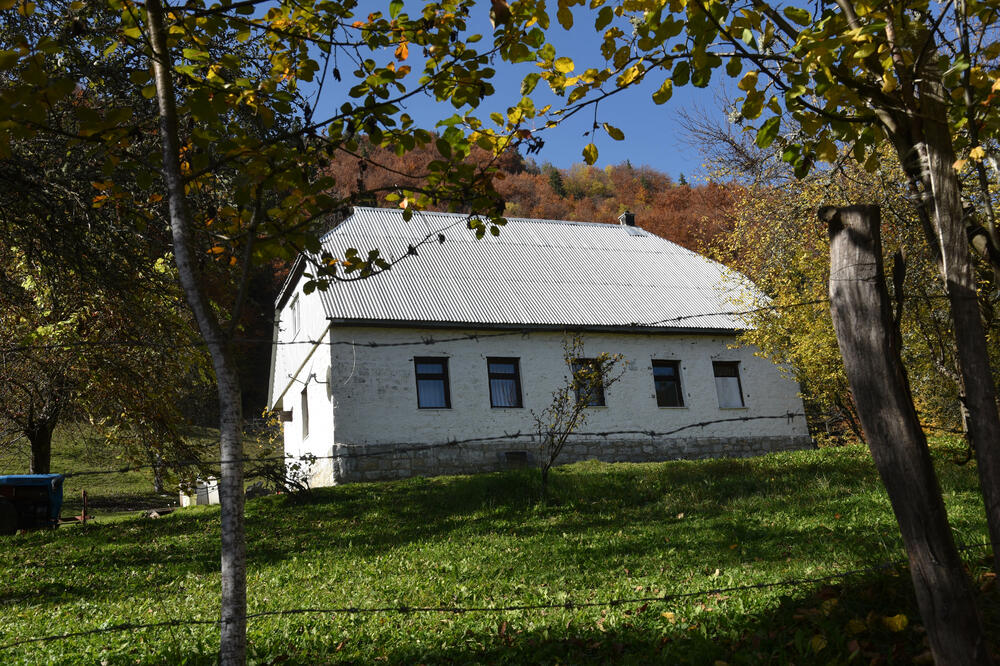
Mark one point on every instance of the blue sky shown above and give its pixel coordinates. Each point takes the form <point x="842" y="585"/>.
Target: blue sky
<point x="653" y="135"/>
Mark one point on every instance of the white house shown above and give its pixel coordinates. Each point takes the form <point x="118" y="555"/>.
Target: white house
<point x="435" y="366"/>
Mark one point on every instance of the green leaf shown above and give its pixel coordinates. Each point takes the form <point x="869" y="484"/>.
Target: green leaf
<point x="603" y="18"/>
<point x="682" y="73"/>
<point x="798" y="15"/>
<point x="443" y="147"/>
<point x="395" y="7"/>
<point x="195" y="54"/>
<point x="734" y="67"/>
<point x="753" y="105"/>
<point x="768" y="132"/>
<point x="529" y="83"/>
<point x="590" y="153"/>
<point x="565" y="16"/>
<point x="8" y="59"/>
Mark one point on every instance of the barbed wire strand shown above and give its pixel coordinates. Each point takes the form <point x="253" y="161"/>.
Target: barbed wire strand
<point x="425" y="340"/>
<point x="458" y="610"/>
<point x="392" y="449"/>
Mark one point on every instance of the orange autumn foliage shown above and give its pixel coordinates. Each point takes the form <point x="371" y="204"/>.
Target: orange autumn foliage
<point x="691" y="216"/>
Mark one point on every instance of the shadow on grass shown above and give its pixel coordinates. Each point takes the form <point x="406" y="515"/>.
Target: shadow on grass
<point x="726" y="507"/>
<point x="865" y="619"/>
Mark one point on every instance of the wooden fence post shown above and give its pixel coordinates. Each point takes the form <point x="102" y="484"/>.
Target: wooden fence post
<point x="862" y="320"/>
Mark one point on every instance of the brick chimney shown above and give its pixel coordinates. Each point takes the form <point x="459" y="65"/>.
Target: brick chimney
<point x="627" y="219"/>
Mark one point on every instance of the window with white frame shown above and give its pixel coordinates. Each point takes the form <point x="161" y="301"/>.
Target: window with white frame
<point x="727" y="384"/>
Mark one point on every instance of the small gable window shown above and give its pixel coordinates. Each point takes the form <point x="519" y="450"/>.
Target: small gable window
<point x="305" y="412"/>
<point x="432" y="383"/>
<point x="667" y="380"/>
<point x="505" y="382"/>
<point x="727" y="384"/>
<point x="295" y="315"/>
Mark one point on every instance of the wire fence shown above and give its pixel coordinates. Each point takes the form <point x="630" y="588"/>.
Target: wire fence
<point x="568" y="604"/>
<point x="424" y="340"/>
<point x="345" y="452"/>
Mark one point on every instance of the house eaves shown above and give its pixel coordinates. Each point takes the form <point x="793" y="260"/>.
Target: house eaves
<point x="537" y="274"/>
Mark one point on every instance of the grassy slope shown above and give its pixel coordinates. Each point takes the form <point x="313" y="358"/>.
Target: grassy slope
<point x="75" y="449"/>
<point x="610" y="531"/>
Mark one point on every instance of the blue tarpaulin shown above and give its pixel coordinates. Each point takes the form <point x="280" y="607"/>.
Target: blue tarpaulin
<point x="54" y="483"/>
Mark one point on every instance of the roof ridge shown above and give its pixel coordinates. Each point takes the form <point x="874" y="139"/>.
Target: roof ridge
<point x="518" y="218"/>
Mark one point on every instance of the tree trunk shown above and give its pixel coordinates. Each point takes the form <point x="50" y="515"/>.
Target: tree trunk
<point x="40" y="439"/>
<point x="960" y="283"/>
<point x="232" y="647"/>
<point x="859" y="303"/>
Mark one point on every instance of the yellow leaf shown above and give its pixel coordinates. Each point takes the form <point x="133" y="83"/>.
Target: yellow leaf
<point x="977" y="153"/>
<point x="889" y="83"/>
<point x="896" y="622"/>
<point x="671" y="618"/>
<point x="629" y="75"/>
<point x="959" y="164"/>
<point x="402" y="51"/>
<point x="748" y="82"/>
<point x="590" y="153"/>
<point x="664" y="93"/>
<point x="996" y="85"/>
<point x="818" y="642"/>
<point x="856" y="626"/>
<point x="563" y="65"/>
<point x="826" y="150"/>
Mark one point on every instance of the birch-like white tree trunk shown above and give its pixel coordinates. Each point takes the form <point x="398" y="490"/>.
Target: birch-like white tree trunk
<point x="232" y="647"/>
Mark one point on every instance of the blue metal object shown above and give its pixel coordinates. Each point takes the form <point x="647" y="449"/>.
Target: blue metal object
<point x="37" y="498"/>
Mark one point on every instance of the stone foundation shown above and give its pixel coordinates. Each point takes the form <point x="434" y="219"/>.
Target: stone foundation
<point x="381" y="462"/>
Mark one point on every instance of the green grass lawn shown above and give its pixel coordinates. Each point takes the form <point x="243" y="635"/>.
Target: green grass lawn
<point x="607" y="532"/>
<point x="75" y="449"/>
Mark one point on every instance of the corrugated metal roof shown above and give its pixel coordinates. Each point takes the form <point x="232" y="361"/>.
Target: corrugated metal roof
<point x="546" y="273"/>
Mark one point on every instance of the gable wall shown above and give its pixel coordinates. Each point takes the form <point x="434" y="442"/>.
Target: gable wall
<point x="374" y="393"/>
<point x="298" y="363"/>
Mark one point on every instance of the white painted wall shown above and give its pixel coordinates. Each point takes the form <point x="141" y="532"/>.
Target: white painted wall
<point x="374" y="389"/>
<point x="302" y="360"/>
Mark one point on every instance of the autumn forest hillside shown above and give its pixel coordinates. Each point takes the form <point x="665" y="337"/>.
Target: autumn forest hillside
<point x="683" y="213"/>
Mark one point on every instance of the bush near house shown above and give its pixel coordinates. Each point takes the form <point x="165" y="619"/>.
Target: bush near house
<point x="607" y="532"/>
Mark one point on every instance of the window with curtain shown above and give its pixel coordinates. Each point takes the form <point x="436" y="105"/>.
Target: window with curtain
<point x="727" y="384"/>
<point x="667" y="380"/>
<point x="505" y="382"/>
<point x="588" y="382"/>
<point x="432" y="383"/>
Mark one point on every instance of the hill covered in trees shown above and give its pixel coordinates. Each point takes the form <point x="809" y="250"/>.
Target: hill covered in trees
<point x="686" y="214"/>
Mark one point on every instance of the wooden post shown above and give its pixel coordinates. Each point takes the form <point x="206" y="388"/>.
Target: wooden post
<point x="859" y="303"/>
